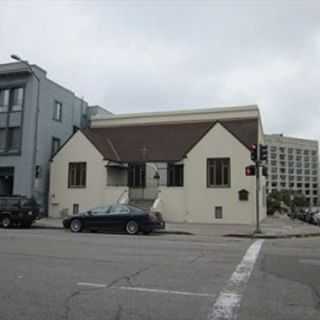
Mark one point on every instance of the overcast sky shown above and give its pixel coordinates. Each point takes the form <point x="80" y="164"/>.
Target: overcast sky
<point x="136" y="56"/>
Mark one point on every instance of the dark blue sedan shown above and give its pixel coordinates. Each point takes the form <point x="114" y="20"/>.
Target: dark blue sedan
<point x="115" y="218"/>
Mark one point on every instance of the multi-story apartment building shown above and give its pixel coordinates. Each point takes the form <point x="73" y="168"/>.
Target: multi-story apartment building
<point x="293" y="164"/>
<point x="37" y="115"/>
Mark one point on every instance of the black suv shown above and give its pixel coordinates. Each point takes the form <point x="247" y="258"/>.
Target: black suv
<point x="18" y="211"/>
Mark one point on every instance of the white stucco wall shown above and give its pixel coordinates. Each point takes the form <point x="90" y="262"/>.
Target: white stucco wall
<point x="195" y="202"/>
<point x="78" y="148"/>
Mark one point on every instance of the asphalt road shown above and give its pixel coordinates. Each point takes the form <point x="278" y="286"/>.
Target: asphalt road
<point x="53" y="274"/>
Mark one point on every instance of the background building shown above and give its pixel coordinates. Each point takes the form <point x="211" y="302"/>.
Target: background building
<point x="29" y="136"/>
<point x="293" y="164"/>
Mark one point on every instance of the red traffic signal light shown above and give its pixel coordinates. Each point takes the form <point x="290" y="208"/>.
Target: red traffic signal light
<point x="250" y="171"/>
<point x="254" y="152"/>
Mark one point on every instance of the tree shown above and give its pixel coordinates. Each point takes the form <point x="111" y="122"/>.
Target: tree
<point x="280" y="200"/>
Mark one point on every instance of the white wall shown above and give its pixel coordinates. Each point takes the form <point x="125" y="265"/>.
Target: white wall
<point x="195" y="202"/>
<point x="78" y="148"/>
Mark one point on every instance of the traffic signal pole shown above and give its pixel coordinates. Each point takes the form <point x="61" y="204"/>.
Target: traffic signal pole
<point x="258" y="230"/>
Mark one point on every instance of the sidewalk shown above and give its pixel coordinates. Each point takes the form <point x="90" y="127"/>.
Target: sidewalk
<point x="279" y="226"/>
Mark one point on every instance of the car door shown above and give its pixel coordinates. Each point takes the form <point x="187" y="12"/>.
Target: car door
<point x="96" y="218"/>
<point x="118" y="217"/>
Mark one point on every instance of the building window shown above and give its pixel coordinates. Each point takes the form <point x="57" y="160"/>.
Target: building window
<point x="55" y="145"/>
<point x="75" y="209"/>
<point x="218" y="172"/>
<point x="218" y="212"/>
<point x="137" y="175"/>
<point x="77" y="175"/>
<point x="2" y="140"/>
<point x="17" y="99"/>
<point x="14" y="139"/>
<point x="57" y="112"/>
<point x="4" y="100"/>
<point x="243" y="195"/>
<point x="175" y="175"/>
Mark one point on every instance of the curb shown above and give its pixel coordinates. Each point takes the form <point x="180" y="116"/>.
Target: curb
<point x="266" y="236"/>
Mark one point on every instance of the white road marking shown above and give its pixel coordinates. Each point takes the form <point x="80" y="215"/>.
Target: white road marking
<point x="228" y="301"/>
<point x="139" y="289"/>
<point x="89" y="284"/>
<point x="183" y="293"/>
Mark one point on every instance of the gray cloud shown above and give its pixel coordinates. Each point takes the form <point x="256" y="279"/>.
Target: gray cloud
<point x="132" y="56"/>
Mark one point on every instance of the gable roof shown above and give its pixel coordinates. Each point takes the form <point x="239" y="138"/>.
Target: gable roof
<point x="162" y="142"/>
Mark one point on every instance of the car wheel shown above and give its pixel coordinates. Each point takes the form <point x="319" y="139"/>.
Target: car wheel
<point x="76" y="225"/>
<point x="6" y="222"/>
<point x="132" y="227"/>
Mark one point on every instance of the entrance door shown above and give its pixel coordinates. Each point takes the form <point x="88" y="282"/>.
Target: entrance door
<point x="6" y="181"/>
<point x="136" y="180"/>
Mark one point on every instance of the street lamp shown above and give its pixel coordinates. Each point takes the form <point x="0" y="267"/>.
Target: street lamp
<point x="34" y="155"/>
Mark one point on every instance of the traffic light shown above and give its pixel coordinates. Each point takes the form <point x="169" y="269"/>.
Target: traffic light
<point x="250" y="171"/>
<point x="263" y="149"/>
<point x="264" y="171"/>
<point x="254" y="152"/>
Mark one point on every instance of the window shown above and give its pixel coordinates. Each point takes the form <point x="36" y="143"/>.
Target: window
<point x="218" y="214"/>
<point x="2" y="139"/>
<point x="273" y="149"/>
<point x="77" y="175"/>
<point x="218" y="172"/>
<point x="274" y="170"/>
<point x="17" y="99"/>
<point x="4" y="100"/>
<point x="273" y="163"/>
<point x="13" y="139"/>
<point x="55" y="145"/>
<point x="57" y="113"/>
<point x="119" y="210"/>
<point x="243" y="195"/>
<point x="290" y="150"/>
<point x="137" y="175"/>
<point x="175" y="175"/>
<point x="273" y="156"/>
<point x="75" y="209"/>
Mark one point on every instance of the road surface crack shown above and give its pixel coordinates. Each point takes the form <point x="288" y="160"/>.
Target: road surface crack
<point x="129" y="277"/>
<point x="68" y="302"/>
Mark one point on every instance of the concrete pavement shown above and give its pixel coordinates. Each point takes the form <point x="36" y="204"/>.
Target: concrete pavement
<point x="54" y="274"/>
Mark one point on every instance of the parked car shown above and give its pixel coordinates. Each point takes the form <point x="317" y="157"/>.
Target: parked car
<point x="115" y="218"/>
<point x="18" y="211"/>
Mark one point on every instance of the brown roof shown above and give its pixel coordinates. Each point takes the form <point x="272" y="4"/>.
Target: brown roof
<point x="162" y="142"/>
